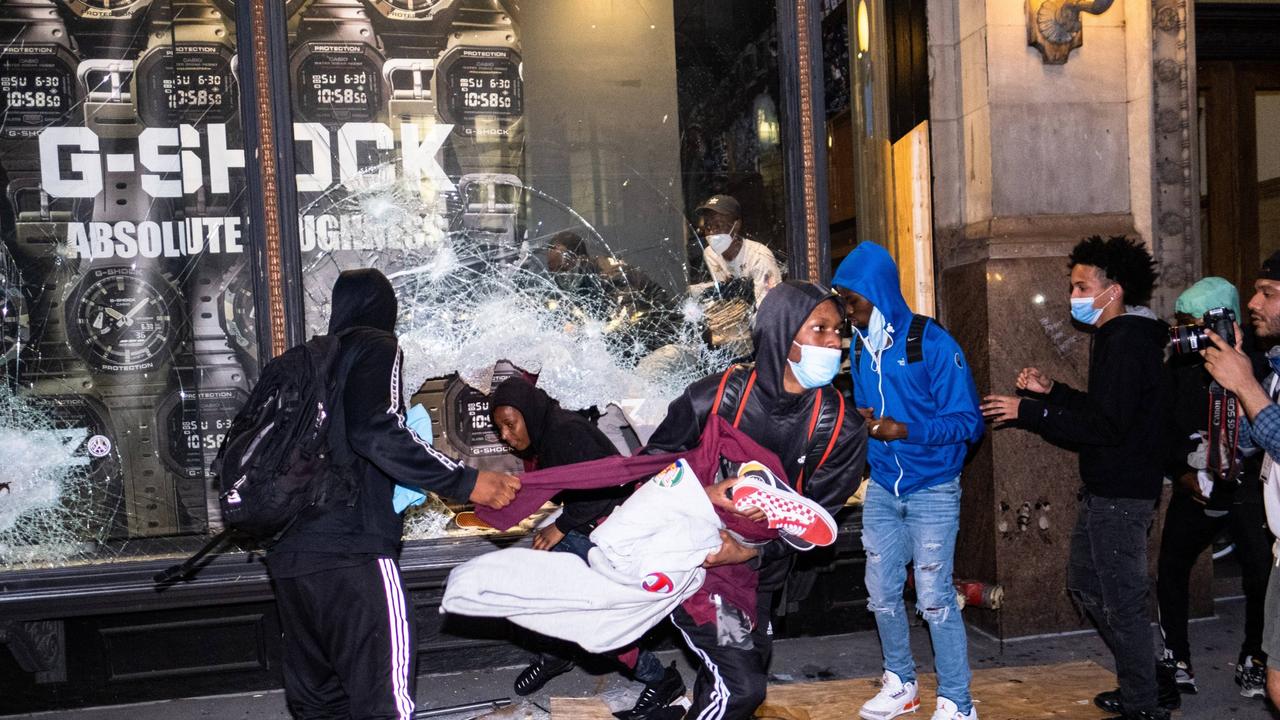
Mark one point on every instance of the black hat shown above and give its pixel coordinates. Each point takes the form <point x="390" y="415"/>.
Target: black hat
<point x="723" y="205"/>
<point x="1271" y="267"/>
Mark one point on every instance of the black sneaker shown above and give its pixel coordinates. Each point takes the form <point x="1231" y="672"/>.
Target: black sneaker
<point x="1183" y="676"/>
<point x="539" y="673"/>
<point x="1251" y="676"/>
<point x="1110" y="701"/>
<point x="655" y="697"/>
<point x="1168" y="695"/>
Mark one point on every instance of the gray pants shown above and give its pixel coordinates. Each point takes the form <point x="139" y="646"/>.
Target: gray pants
<point x="1107" y="577"/>
<point x="1271" y="625"/>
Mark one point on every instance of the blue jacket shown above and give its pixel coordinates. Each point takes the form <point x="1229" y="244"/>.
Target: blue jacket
<point x="936" y="398"/>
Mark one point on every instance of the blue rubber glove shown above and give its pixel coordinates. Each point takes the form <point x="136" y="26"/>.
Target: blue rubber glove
<point x="419" y="421"/>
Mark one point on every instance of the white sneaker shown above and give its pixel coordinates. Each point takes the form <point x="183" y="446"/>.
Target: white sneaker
<point x="947" y="710"/>
<point x="895" y="698"/>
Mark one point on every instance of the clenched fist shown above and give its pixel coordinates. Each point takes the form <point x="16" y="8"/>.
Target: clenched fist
<point x="495" y="490"/>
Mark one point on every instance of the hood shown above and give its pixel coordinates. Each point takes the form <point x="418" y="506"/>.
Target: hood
<point x="779" y="317"/>
<point x="535" y="405"/>
<point x="363" y="298"/>
<point x="1143" y="325"/>
<point x="870" y="271"/>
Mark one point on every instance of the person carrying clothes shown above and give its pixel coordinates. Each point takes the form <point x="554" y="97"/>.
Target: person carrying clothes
<point x="1203" y="505"/>
<point x="797" y="343"/>
<point x="1118" y="425"/>
<point x="912" y="382"/>
<point x="537" y="429"/>
<point x="349" y="646"/>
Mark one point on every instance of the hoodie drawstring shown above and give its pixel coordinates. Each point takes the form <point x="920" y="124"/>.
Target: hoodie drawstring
<point x="874" y="357"/>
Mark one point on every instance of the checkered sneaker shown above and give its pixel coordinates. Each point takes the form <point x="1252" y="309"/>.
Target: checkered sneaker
<point x="802" y="522"/>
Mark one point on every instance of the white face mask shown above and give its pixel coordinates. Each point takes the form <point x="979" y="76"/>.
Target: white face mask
<point x="720" y="242"/>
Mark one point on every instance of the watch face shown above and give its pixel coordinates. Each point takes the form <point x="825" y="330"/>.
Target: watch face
<point x="240" y="315"/>
<point x="186" y="83"/>
<point x="120" y="319"/>
<point x="193" y="426"/>
<point x="37" y="88"/>
<point x="481" y="83"/>
<point x="411" y="9"/>
<point x="337" y="83"/>
<point x="106" y="9"/>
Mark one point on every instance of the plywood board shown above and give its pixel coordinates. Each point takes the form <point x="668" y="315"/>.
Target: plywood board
<point x="1039" y="692"/>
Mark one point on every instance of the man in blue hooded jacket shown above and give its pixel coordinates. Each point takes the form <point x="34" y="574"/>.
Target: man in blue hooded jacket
<point x="911" y="381"/>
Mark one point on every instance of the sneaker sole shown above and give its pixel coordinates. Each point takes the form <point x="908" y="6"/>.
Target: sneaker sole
<point x="910" y="707"/>
<point x="787" y="511"/>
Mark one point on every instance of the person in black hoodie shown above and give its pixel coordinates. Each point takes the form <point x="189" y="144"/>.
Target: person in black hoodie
<point x="1118" y="427"/>
<point x="537" y="429"/>
<point x="797" y="345"/>
<point x="348" y="636"/>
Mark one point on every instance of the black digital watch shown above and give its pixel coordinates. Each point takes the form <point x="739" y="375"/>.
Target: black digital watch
<point x="335" y="65"/>
<point x="185" y="74"/>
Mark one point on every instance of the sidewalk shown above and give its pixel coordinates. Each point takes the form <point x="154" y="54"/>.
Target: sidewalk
<point x="1215" y="642"/>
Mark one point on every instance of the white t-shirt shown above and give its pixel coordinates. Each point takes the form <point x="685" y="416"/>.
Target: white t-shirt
<point x="754" y="260"/>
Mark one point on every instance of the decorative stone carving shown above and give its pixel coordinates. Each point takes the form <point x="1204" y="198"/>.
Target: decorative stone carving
<point x="1054" y="28"/>
<point x="1175" y="241"/>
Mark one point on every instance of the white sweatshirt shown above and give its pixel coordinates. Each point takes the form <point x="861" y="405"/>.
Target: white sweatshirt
<point x="754" y="260"/>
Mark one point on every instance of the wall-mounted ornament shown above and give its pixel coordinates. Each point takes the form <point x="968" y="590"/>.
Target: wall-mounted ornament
<point x="1054" y="28"/>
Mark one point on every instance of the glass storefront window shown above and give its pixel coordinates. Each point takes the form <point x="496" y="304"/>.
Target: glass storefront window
<point x="528" y="174"/>
<point x="129" y="339"/>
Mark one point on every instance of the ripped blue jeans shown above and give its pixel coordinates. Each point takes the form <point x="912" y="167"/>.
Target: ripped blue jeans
<point x="919" y="528"/>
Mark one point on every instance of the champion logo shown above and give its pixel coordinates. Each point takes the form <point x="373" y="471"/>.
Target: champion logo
<point x="658" y="583"/>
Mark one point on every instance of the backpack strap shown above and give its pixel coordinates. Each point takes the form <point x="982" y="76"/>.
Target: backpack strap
<point x="915" y="339"/>
<point x="731" y="397"/>
<point x="825" y="423"/>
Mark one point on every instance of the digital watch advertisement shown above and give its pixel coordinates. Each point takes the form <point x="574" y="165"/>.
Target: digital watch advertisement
<point x="127" y="294"/>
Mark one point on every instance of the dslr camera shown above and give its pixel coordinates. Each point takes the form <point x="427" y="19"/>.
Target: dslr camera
<point x="1185" y="339"/>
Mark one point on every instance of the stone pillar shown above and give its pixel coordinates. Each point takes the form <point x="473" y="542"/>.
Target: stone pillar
<point x="1029" y="158"/>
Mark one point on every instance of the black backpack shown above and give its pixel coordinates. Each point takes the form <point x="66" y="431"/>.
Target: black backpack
<point x="825" y="420"/>
<point x="277" y="460"/>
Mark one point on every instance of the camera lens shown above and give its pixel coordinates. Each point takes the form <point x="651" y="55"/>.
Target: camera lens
<point x="1186" y="339"/>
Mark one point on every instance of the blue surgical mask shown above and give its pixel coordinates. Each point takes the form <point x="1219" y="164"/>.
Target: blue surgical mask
<point x="817" y="366"/>
<point x="1082" y="309"/>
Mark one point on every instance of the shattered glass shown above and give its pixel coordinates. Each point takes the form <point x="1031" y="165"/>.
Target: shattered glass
<point x="452" y="144"/>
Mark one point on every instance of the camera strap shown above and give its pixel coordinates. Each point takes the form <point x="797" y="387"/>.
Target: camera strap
<point x="1224" y="427"/>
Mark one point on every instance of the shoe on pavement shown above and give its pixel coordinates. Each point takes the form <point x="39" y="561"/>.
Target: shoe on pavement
<point x="1251" y="676"/>
<point x="795" y="516"/>
<point x="539" y="673"/>
<point x="656" y="697"/>
<point x="948" y="710"/>
<point x="895" y="698"/>
<point x="1183" y="676"/>
<point x="1111" y="701"/>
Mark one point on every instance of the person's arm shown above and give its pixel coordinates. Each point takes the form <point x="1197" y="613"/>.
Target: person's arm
<point x="957" y="418"/>
<point x="1101" y="416"/>
<point x="1234" y="372"/>
<point x="377" y="431"/>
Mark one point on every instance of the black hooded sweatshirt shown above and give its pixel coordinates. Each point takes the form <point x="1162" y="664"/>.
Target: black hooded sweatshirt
<point x="558" y="437"/>
<point x="775" y="418"/>
<point x="1118" y="426"/>
<point x="369" y="432"/>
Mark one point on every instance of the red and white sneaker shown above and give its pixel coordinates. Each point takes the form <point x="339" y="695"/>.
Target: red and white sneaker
<point x="793" y="515"/>
<point x="895" y="698"/>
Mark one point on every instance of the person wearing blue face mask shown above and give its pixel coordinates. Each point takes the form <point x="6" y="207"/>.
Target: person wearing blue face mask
<point x="1119" y="427"/>
<point x="912" y="383"/>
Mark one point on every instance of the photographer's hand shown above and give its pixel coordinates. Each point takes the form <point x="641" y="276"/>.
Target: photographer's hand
<point x="1233" y="371"/>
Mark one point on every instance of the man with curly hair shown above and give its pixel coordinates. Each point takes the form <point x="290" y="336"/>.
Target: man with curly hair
<point x="1117" y="426"/>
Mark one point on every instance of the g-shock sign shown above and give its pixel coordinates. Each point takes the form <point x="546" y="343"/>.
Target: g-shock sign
<point x="481" y="84"/>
